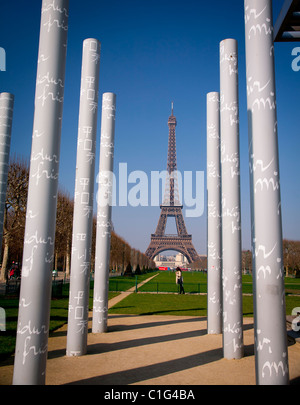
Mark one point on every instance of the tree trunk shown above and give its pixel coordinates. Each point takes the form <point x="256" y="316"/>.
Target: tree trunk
<point x="68" y="257"/>
<point x="286" y="271"/>
<point x="68" y="263"/>
<point x="4" y="269"/>
<point x="55" y="260"/>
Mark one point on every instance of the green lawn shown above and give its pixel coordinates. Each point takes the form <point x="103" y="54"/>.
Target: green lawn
<point x="196" y="282"/>
<point x="58" y="317"/>
<point x="161" y="304"/>
<point x="124" y="283"/>
<point x="173" y="304"/>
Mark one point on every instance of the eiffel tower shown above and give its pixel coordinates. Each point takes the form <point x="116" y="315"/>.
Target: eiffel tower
<point x="171" y="207"/>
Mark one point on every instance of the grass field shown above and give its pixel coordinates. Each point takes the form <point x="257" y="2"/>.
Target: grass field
<point x="58" y="317"/>
<point x="175" y="304"/>
<point x="152" y="301"/>
<point x="194" y="282"/>
<point x="155" y="302"/>
<point x="170" y="304"/>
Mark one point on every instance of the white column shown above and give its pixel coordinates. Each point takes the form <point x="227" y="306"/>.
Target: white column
<point x="6" y="117"/>
<point x="233" y="346"/>
<point x="104" y="209"/>
<point x="271" y="354"/>
<point x="35" y="295"/>
<point x="83" y="201"/>
<point x="214" y="223"/>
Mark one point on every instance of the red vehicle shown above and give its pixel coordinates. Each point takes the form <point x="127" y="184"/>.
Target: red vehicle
<point x="164" y="268"/>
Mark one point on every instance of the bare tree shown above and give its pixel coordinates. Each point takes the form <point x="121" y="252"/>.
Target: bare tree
<point x="291" y="255"/>
<point x="247" y="260"/>
<point x="200" y="264"/>
<point x="63" y="233"/>
<point x="15" y="210"/>
<point x="121" y="253"/>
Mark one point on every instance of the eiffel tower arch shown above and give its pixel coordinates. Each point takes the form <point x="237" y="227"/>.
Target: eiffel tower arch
<point x="171" y="207"/>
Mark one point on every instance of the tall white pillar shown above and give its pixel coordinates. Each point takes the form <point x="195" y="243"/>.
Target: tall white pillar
<point x="214" y="223"/>
<point x="271" y="354"/>
<point x="6" y="117"/>
<point x="35" y="295"/>
<point x="233" y="347"/>
<point x="83" y="201"/>
<point x="104" y="209"/>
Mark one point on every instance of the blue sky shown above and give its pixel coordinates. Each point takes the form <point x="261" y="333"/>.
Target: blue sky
<point x="153" y="52"/>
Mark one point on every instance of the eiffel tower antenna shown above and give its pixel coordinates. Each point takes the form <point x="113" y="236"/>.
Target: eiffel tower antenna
<point x="171" y="207"/>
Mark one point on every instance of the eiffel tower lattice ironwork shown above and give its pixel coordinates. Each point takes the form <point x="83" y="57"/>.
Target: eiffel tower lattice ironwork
<point x="171" y="207"/>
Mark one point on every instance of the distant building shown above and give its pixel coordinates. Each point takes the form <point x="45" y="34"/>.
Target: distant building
<point x="171" y="261"/>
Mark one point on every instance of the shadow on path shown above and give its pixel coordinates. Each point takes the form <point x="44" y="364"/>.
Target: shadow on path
<point x="126" y="344"/>
<point x="156" y="370"/>
<point x="138" y="325"/>
<point x="153" y="371"/>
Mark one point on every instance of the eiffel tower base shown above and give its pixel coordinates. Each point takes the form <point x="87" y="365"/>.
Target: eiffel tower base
<point x="182" y="244"/>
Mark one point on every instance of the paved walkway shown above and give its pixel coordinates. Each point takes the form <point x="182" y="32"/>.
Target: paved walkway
<point x="152" y="350"/>
<point x="112" y="302"/>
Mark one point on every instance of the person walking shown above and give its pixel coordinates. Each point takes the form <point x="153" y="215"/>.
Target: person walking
<point x="179" y="280"/>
